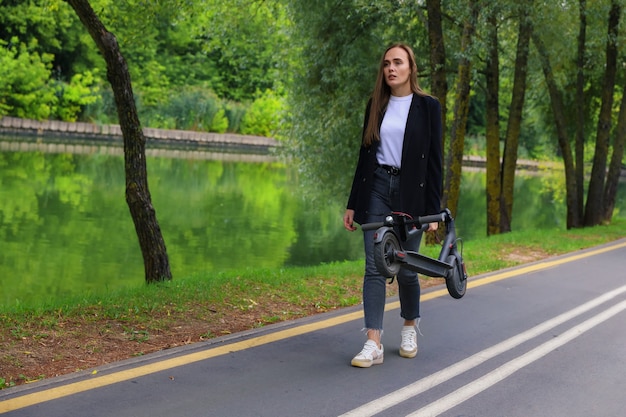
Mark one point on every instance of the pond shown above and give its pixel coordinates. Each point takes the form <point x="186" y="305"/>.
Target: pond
<point x="65" y="227"/>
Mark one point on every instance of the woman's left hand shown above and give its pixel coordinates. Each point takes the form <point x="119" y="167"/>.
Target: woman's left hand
<point x="432" y="227"/>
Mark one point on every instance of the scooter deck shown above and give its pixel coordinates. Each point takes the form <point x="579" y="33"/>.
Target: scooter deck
<point x="423" y="264"/>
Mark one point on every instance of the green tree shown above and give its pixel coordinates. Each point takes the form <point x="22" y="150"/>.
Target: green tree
<point x="436" y="41"/>
<point x="454" y="156"/>
<point x="246" y="41"/>
<point x="600" y="71"/>
<point x="558" y="110"/>
<point x="51" y="28"/>
<point x="336" y="55"/>
<point x="511" y="145"/>
<point x="579" y="147"/>
<point x="171" y="46"/>
<point x="616" y="165"/>
<point x="138" y="198"/>
<point x="493" y="186"/>
<point x="24" y="75"/>
<point x="50" y="72"/>
<point x="594" y="209"/>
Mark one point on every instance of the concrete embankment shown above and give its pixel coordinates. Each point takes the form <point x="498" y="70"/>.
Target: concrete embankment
<point x="185" y="142"/>
<point x="477" y="162"/>
<point x="162" y="137"/>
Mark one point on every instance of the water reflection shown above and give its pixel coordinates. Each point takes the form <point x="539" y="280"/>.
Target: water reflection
<point x="539" y="202"/>
<point x="65" y="227"/>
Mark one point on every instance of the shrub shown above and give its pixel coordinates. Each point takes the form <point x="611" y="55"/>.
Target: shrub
<point x="219" y="124"/>
<point x="234" y="113"/>
<point x="73" y="97"/>
<point x="264" y="115"/>
<point x="24" y="74"/>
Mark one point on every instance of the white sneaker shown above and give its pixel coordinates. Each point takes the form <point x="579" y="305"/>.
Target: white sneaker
<point x="370" y="355"/>
<point x="408" y="346"/>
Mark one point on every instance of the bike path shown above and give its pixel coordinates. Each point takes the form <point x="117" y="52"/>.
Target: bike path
<point x="301" y="368"/>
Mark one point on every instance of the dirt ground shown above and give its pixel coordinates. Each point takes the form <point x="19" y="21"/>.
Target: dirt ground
<point x="89" y="345"/>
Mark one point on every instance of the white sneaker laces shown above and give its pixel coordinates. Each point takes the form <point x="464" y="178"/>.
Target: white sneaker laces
<point x="368" y="351"/>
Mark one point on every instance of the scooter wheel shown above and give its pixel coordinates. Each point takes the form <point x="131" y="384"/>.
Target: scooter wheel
<point x="456" y="282"/>
<point x="384" y="255"/>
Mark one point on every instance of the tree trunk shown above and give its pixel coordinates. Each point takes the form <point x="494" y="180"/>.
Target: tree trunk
<point x="511" y="143"/>
<point x="580" y="111"/>
<point x="615" y="167"/>
<point x="560" y="121"/>
<point x="493" y="127"/>
<point x="438" y="76"/>
<point x="151" y="241"/>
<point x="594" y="210"/>
<point x="439" y="81"/>
<point x="454" y="158"/>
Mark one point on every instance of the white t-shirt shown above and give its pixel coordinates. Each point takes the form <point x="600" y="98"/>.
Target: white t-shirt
<point x="392" y="131"/>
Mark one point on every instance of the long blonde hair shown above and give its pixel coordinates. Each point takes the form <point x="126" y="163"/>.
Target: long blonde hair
<point x="382" y="92"/>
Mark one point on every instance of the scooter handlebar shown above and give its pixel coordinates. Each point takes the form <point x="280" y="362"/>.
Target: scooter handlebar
<point x="376" y="225"/>
<point x="372" y="226"/>
<point x="432" y="218"/>
<point x="423" y="221"/>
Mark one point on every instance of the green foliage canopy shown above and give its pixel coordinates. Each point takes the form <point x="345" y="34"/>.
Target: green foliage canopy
<point x="176" y="49"/>
<point x="24" y="90"/>
<point x="338" y="51"/>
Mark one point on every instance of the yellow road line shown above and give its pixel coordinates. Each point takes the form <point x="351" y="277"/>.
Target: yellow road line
<point x="104" y="380"/>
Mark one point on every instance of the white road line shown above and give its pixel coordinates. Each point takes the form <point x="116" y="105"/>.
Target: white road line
<point x="479" y="385"/>
<point x="380" y="404"/>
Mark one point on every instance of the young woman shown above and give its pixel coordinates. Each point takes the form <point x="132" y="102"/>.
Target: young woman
<point x="399" y="169"/>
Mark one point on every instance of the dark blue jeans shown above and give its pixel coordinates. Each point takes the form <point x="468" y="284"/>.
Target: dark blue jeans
<point x="384" y="199"/>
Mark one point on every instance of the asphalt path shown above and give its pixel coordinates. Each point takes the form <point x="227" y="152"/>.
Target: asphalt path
<point x="545" y="339"/>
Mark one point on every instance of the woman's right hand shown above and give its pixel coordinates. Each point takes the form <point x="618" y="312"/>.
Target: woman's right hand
<point x="348" y="220"/>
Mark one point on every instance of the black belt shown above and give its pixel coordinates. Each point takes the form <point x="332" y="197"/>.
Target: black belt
<point x="391" y="170"/>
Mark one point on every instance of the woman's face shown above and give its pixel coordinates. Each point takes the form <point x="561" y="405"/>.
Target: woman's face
<point x="397" y="71"/>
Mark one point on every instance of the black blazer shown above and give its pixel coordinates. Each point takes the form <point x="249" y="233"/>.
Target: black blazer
<point x="421" y="175"/>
